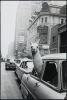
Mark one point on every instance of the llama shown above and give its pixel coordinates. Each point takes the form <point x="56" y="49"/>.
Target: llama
<point x="36" y="57"/>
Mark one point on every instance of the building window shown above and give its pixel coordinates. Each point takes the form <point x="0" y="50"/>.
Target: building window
<point x="65" y="20"/>
<point x="62" y="21"/>
<point x="50" y="73"/>
<point x="46" y="19"/>
<point x="42" y="20"/>
<point x="53" y="38"/>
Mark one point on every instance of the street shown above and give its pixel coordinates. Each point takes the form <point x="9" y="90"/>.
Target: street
<point x="9" y="85"/>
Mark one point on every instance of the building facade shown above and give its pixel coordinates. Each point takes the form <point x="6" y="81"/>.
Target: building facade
<point x="58" y="42"/>
<point x="54" y="39"/>
<point x="62" y="38"/>
<point x="58" y="39"/>
<point x="40" y="27"/>
<point x="20" y="29"/>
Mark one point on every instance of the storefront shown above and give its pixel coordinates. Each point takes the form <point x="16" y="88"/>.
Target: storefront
<point x="43" y="36"/>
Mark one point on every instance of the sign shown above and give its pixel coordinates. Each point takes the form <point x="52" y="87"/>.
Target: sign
<point x="42" y="29"/>
<point x="43" y="39"/>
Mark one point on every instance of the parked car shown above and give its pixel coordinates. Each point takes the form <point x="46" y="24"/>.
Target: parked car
<point x="17" y="62"/>
<point x="10" y="64"/>
<point x="53" y="81"/>
<point x="26" y="66"/>
<point x="7" y="62"/>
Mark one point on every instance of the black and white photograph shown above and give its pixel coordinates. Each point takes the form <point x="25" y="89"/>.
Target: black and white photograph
<point x="33" y="49"/>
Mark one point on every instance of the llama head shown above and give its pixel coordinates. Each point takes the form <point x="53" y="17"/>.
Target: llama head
<point x="34" y="48"/>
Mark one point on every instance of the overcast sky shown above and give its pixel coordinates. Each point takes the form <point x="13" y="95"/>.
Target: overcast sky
<point x="8" y="20"/>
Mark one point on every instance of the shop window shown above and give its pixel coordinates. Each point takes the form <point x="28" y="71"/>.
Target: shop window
<point x="50" y="73"/>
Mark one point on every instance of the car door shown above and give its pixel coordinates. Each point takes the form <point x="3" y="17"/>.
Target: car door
<point x="48" y="87"/>
<point x="29" y="83"/>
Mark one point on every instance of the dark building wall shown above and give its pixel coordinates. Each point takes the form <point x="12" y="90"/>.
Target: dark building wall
<point x="63" y="38"/>
<point x="0" y="29"/>
<point x="54" y="39"/>
<point x="63" y="9"/>
<point x="58" y="39"/>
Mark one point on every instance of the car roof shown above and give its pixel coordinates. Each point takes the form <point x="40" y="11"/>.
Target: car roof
<point x="57" y="56"/>
<point x="26" y="59"/>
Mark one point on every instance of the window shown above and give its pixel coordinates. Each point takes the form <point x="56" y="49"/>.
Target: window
<point x="8" y="60"/>
<point x="18" y="61"/>
<point x="46" y="19"/>
<point x="42" y="20"/>
<point x="21" y="65"/>
<point x="64" y="74"/>
<point x="65" y="20"/>
<point x="50" y="73"/>
<point x="53" y="38"/>
<point x="62" y="21"/>
<point x="35" y="73"/>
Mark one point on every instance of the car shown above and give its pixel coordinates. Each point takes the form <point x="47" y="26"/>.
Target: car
<point x="7" y="63"/>
<point x="17" y="62"/>
<point x="25" y="66"/>
<point x="10" y="64"/>
<point x="52" y="84"/>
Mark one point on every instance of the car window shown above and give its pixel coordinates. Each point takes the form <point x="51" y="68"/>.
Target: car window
<point x="64" y="74"/>
<point x="8" y="60"/>
<point x="21" y="65"/>
<point x="24" y="65"/>
<point x="18" y="61"/>
<point x="50" y="73"/>
<point x="34" y="72"/>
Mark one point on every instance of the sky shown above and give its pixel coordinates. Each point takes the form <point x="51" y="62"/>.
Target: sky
<point x="8" y="21"/>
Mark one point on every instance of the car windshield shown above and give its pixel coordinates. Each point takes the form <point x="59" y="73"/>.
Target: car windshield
<point x="64" y="74"/>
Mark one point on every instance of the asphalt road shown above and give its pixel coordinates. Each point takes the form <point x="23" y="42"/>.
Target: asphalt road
<point x="9" y="85"/>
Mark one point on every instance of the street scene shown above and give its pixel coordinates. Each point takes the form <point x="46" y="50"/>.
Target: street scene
<point x="33" y="50"/>
<point x="9" y="85"/>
